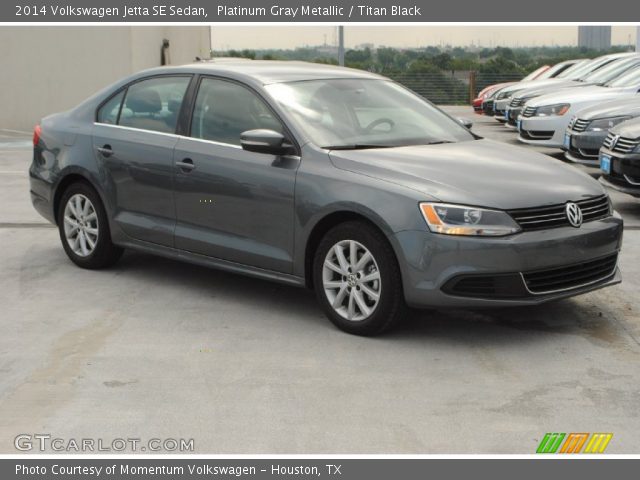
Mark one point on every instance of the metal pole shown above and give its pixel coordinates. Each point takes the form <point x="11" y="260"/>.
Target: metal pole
<point x="472" y="86"/>
<point x="638" y="39"/>
<point x="341" y="46"/>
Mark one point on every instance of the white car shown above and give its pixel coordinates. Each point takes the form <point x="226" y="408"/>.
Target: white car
<point x="613" y="70"/>
<point x="567" y="78"/>
<point x="544" y="119"/>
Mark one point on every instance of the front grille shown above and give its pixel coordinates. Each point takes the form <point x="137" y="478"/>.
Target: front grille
<point x="517" y="102"/>
<point x="579" y="125"/>
<point x="619" y="144"/>
<point x="487" y="106"/>
<point x="555" y="215"/>
<point x="570" y="276"/>
<point x="528" y="112"/>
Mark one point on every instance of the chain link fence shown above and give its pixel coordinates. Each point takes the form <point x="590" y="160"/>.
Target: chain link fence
<point x="451" y="88"/>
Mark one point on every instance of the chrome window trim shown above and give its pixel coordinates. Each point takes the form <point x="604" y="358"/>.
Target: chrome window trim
<point x="174" y="135"/>
<point x="122" y="127"/>
<point x="632" y="182"/>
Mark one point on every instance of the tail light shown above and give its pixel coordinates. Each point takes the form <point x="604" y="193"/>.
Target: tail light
<point x="36" y="135"/>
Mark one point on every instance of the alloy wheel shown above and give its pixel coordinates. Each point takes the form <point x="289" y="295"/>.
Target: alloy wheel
<point x="351" y="280"/>
<point x="81" y="225"/>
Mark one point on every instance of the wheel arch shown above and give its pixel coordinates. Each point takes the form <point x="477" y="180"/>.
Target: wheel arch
<point x="69" y="178"/>
<point x="326" y="223"/>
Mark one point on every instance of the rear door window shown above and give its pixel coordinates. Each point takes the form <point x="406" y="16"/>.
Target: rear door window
<point x="154" y="104"/>
<point x="108" y="113"/>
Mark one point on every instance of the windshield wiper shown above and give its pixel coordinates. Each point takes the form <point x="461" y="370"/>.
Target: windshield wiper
<point x="439" y="142"/>
<point x="357" y="146"/>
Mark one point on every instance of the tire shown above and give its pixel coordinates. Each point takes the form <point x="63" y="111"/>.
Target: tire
<point x="379" y="275"/>
<point x="96" y="250"/>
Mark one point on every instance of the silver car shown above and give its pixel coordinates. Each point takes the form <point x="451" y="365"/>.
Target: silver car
<point x="322" y="177"/>
<point x="601" y="76"/>
<point x="620" y="158"/>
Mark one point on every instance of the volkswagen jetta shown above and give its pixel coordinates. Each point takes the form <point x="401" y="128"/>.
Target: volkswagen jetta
<point x="319" y="176"/>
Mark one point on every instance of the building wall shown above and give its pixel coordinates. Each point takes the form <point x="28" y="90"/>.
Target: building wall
<point x="50" y="69"/>
<point x="594" y="37"/>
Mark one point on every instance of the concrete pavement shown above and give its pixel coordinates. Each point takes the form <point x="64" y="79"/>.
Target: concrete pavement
<point x="155" y="348"/>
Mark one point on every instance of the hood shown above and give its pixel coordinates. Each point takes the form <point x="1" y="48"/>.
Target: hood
<point x="629" y="129"/>
<point x="491" y="88"/>
<point x="535" y="84"/>
<point x="578" y="95"/>
<point x="613" y="108"/>
<point x="536" y="92"/>
<point x="476" y="172"/>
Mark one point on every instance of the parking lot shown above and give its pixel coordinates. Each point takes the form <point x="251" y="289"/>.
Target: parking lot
<point x="154" y="348"/>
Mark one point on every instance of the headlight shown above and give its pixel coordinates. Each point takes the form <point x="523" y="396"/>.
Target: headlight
<point x="552" y="110"/>
<point x="460" y="220"/>
<point x="503" y="95"/>
<point x="604" y="124"/>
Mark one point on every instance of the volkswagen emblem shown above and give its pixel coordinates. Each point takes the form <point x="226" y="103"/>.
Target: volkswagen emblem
<point x="574" y="214"/>
<point x="614" y="141"/>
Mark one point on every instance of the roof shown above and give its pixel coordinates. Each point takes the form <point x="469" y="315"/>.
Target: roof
<point x="271" y="71"/>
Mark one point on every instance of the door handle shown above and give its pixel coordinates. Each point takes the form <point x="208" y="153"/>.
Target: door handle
<point x="105" y="150"/>
<point x="186" y="165"/>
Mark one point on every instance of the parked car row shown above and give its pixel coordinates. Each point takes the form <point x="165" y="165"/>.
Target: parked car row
<point x="590" y="110"/>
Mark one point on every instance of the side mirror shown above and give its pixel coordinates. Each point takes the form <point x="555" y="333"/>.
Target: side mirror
<point x="265" y="141"/>
<point x="465" y="122"/>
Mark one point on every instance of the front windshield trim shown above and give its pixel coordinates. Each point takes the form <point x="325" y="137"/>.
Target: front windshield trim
<point x="357" y="113"/>
<point x="623" y="81"/>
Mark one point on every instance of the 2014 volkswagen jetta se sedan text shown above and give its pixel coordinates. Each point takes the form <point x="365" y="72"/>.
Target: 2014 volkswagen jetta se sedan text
<point x="325" y="177"/>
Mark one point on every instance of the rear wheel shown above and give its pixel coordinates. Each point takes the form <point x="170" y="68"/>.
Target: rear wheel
<point x="357" y="279"/>
<point x="84" y="229"/>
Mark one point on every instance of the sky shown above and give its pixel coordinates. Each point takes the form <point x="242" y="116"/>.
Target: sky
<point x="285" y="37"/>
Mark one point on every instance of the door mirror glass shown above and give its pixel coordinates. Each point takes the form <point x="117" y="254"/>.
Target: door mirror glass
<point x="265" y="141"/>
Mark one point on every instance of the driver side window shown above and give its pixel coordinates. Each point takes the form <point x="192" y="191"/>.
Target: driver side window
<point x="223" y="110"/>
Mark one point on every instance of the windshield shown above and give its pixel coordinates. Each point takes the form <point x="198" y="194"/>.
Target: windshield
<point x="575" y="69"/>
<point x="557" y="70"/>
<point x="364" y="113"/>
<point x="629" y="79"/>
<point x="590" y="67"/>
<point x="611" y="71"/>
<point x="537" y="74"/>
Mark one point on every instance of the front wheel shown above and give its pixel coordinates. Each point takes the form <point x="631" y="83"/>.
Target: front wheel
<point x="84" y="228"/>
<point x="357" y="279"/>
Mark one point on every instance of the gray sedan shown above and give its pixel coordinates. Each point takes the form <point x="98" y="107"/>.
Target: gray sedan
<point x="325" y="177"/>
<point x="620" y="158"/>
<point x="589" y="128"/>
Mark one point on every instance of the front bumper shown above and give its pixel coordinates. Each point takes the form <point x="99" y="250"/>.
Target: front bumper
<point x="429" y="261"/>
<point x="625" y="172"/>
<point x="511" y="115"/>
<point x="543" y="131"/>
<point x="487" y="107"/>
<point x="499" y="108"/>
<point x="583" y="147"/>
